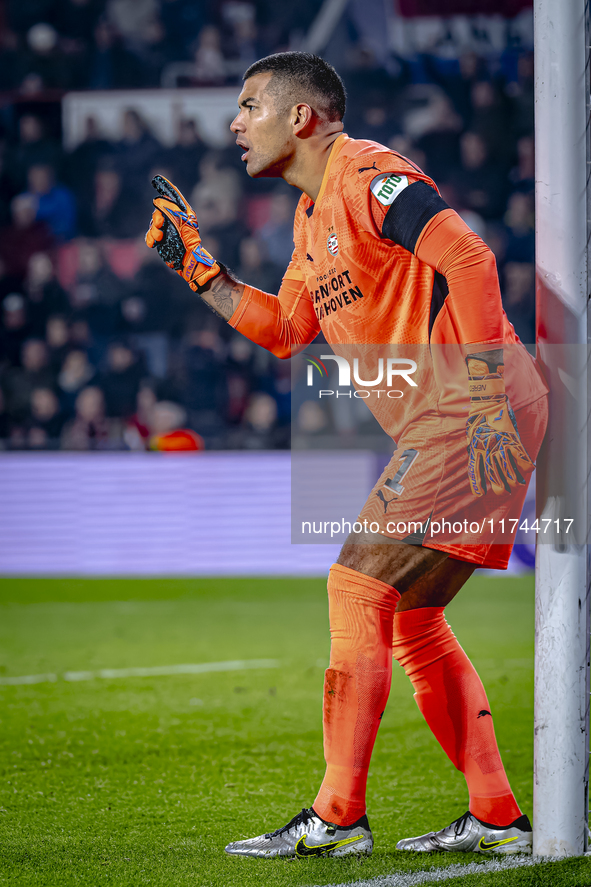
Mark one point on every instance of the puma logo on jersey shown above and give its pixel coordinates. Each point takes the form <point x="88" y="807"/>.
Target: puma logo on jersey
<point x="366" y="168"/>
<point x="387" y="186"/>
<point x="484" y="712"/>
<point x="386" y="502"/>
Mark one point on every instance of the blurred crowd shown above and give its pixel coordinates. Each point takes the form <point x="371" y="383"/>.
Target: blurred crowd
<point x="102" y="346"/>
<point x="114" y="44"/>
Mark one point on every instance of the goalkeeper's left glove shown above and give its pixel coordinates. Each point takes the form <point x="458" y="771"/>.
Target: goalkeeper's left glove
<point x="496" y="456"/>
<point x="175" y="234"/>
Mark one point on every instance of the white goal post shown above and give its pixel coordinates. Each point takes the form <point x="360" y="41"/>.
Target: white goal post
<point x="561" y="706"/>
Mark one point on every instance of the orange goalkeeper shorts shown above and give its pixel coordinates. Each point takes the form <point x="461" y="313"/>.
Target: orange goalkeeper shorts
<point x="423" y="496"/>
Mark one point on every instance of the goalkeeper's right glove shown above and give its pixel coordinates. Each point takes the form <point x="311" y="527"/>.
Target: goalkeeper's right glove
<point x="496" y="455"/>
<point x="175" y="234"/>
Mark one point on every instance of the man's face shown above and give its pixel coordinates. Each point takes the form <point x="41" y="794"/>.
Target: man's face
<point x="265" y="134"/>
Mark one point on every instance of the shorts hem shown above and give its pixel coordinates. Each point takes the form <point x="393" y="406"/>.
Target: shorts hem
<point x="461" y="553"/>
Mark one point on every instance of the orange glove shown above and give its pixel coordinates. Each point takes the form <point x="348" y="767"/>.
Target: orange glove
<point x="175" y="234"/>
<point x="496" y="456"/>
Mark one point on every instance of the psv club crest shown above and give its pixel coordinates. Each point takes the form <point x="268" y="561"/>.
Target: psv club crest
<point x="332" y="245"/>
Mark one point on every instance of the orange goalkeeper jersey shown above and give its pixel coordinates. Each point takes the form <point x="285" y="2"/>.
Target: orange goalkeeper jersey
<point x="380" y="259"/>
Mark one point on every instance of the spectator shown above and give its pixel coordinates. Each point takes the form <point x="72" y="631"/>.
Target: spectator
<point x="111" y="65"/>
<point x="121" y="381"/>
<point x="519" y="221"/>
<point x="521" y="95"/>
<point x="24" y="237"/>
<point x="110" y="211"/>
<point x="184" y="158"/>
<point x="255" y="269"/>
<point x="33" y="147"/>
<point x="519" y="299"/>
<point x="182" y="20"/>
<point x="133" y="20"/>
<point x="45" y="294"/>
<point x="45" y="61"/>
<point x="90" y="429"/>
<point x="45" y="422"/>
<point x="80" y="335"/>
<point x="490" y="119"/>
<point x="240" y="377"/>
<point x="245" y="44"/>
<point x="408" y="149"/>
<point x="75" y="374"/>
<point x="138" y="427"/>
<point x="480" y="184"/>
<point x="148" y="319"/>
<point x="14" y="329"/>
<point x="210" y="64"/>
<point x="524" y="174"/>
<point x="277" y="233"/>
<point x="376" y="123"/>
<point x="57" y="339"/>
<point x="83" y="161"/>
<point x="312" y="419"/>
<point x="55" y="203"/>
<point x="137" y="152"/>
<point x="435" y="129"/>
<point x="203" y="384"/>
<point x="96" y="293"/>
<point x="34" y="372"/>
<point x="458" y="82"/>
<point x="75" y="21"/>
<point x="260" y="420"/>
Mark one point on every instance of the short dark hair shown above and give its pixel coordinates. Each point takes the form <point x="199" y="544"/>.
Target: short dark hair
<point x="301" y="75"/>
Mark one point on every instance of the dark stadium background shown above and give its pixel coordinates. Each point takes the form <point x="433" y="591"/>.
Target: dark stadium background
<point x="102" y="348"/>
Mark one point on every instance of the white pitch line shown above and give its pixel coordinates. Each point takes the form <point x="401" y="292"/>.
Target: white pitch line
<point x="155" y="671"/>
<point x="457" y="870"/>
<point x="30" y="679"/>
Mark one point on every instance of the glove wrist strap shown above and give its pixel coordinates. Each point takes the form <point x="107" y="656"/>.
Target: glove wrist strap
<point x="486" y="386"/>
<point x="201" y="289"/>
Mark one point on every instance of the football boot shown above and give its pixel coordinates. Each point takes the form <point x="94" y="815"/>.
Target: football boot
<point x="469" y="835"/>
<point x="308" y="835"/>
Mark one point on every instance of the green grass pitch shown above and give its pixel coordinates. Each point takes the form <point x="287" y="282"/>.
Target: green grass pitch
<point x="137" y="781"/>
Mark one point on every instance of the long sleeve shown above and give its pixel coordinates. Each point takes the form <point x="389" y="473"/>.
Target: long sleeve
<point x="474" y="302"/>
<point x="279" y="323"/>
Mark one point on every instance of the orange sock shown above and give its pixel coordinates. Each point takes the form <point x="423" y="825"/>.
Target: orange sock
<point x="356" y="688"/>
<point x="452" y="700"/>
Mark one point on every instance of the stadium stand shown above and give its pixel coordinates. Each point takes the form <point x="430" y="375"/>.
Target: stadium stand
<point x="94" y="331"/>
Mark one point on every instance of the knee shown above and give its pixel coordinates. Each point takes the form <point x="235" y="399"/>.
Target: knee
<point x="420" y="637"/>
<point x="361" y="611"/>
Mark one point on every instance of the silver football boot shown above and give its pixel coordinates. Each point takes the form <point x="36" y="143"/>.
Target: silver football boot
<point x="467" y="834"/>
<point x="308" y="835"/>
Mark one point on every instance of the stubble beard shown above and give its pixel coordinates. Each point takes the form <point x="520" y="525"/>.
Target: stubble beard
<point x="268" y="165"/>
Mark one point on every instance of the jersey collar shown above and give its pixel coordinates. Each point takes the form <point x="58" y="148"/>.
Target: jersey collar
<point x="336" y="147"/>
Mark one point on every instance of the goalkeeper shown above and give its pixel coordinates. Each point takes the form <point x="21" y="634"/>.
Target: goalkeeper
<point x="380" y="259"/>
